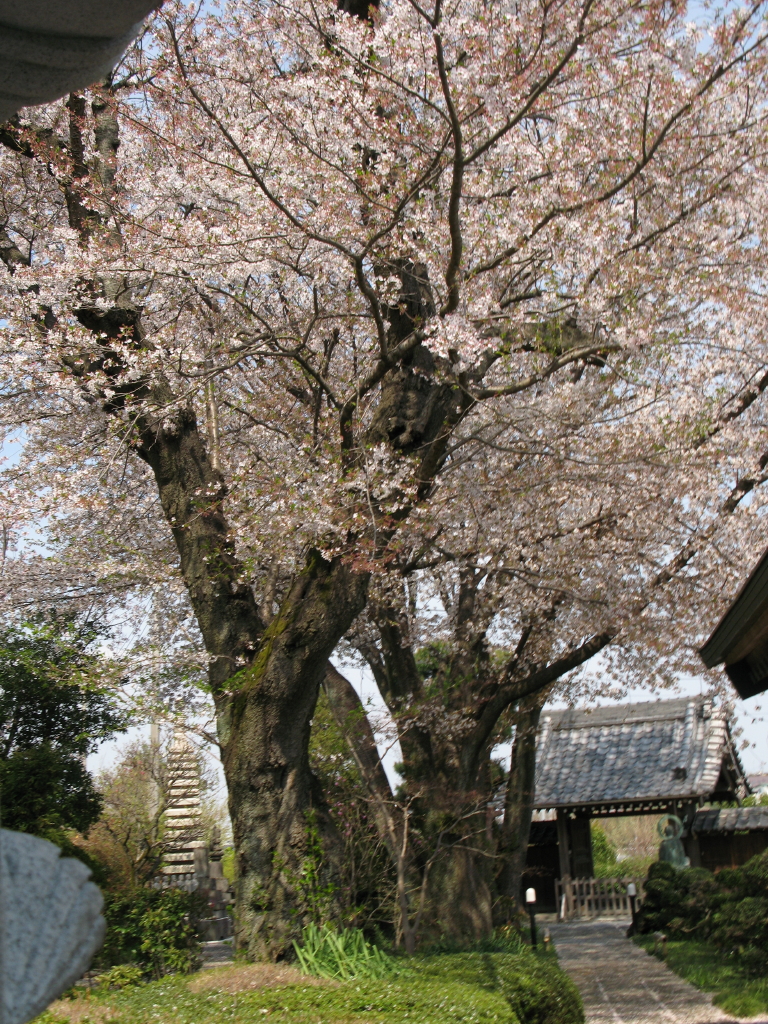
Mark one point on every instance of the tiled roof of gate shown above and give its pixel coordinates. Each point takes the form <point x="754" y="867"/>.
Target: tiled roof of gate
<point x="670" y="749"/>
<point x="731" y="819"/>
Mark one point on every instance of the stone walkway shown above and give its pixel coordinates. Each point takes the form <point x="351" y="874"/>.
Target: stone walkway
<point x="216" y="954"/>
<point x="621" y="984"/>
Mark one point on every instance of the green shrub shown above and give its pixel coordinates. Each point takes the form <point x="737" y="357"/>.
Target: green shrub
<point x="506" y="939"/>
<point x="153" y="930"/>
<point x="465" y="988"/>
<point x="677" y="901"/>
<point x="534" y="986"/>
<point x="342" y="956"/>
<point x="410" y="999"/>
<point x="729" y="909"/>
<point x="121" y="976"/>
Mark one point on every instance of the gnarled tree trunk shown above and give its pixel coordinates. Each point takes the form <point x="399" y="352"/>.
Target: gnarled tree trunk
<point x="459" y="901"/>
<point x="265" y="682"/>
<point x="264" y="722"/>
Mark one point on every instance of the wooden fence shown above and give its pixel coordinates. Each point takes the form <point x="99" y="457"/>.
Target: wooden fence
<point x="595" y="897"/>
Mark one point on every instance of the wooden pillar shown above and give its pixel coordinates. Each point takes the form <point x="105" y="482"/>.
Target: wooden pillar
<point x="693" y="850"/>
<point x="690" y="839"/>
<point x="581" y="845"/>
<point x="563" y="844"/>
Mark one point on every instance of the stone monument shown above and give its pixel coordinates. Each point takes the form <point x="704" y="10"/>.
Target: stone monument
<point x="51" y="924"/>
<point x="218" y="894"/>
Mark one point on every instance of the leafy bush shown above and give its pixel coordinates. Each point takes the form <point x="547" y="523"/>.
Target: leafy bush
<point x="535" y="987"/>
<point x="506" y="939"/>
<point x="677" y="901"/>
<point x="121" y="976"/>
<point x="341" y="956"/>
<point x="152" y="929"/>
<point x="54" y="709"/>
<point x="411" y="999"/>
<point x="729" y="909"/>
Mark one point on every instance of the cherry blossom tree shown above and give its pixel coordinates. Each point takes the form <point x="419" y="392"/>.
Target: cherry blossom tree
<point x="299" y="297"/>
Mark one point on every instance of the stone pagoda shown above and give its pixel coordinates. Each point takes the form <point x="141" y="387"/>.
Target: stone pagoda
<point x="185" y="849"/>
<point x="188" y="863"/>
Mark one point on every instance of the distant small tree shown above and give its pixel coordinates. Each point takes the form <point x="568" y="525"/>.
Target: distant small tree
<point x="54" y="710"/>
<point x="604" y="855"/>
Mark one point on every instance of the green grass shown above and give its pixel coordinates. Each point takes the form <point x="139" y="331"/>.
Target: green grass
<point x="469" y="988"/>
<point x="171" y="1002"/>
<point x="711" y="971"/>
<point x="341" y="955"/>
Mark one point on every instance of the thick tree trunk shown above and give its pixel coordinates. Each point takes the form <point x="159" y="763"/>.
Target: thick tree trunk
<point x="518" y="808"/>
<point x="458" y="903"/>
<point x="191" y="493"/>
<point x="265" y="684"/>
<point x="264" y="724"/>
<point x="445" y="891"/>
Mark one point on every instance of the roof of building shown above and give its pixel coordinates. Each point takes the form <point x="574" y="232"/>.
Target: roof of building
<point x="740" y="639"/>
<point x="730" y="819"/>
<point x="641" y="757"/>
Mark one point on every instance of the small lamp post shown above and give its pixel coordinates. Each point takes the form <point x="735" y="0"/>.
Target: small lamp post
<point x="632" y="893"/>
<point x="530" y="902"/>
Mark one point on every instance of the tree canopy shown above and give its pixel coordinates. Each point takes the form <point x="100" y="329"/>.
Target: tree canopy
<point x="450" y="309"/>
<point x="54" y="710"/>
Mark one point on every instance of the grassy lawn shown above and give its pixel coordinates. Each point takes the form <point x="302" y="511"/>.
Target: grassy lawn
<point x="467" y="988"/>
<point x="709" y="970"/>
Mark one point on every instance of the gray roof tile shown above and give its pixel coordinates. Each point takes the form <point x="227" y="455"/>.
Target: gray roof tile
<point x="730" y="819"/>
<point x="670" y="749"/>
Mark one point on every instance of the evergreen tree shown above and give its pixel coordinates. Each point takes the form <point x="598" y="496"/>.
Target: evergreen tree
<point x="53" y="713"/>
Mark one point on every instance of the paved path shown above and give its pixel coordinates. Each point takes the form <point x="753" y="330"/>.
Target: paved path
<point x="621" y="984"/>
<point x="216" y="954"/>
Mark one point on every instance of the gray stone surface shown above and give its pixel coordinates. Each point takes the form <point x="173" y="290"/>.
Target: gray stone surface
<point x="621" y="984"/>
<point x="50" y="47"/>
<point x="216" y="953"/>
<point x="51" y="923"/>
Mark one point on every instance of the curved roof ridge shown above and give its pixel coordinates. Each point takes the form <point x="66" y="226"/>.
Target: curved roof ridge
<point x="615" y="714"/>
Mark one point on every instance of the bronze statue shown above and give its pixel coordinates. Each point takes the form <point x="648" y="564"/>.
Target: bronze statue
<point x="671" y="851"/>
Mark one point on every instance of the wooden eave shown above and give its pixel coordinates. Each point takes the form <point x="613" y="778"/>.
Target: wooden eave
<point x="740" y="639"/>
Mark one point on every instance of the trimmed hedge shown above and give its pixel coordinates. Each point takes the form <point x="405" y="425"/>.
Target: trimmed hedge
<point x="535" y="987"/>
<point x="449" y="988"/>
<point x="729" y="910"/>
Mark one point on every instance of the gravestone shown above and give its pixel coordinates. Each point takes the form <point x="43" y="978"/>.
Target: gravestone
<point x="51" y="924"/>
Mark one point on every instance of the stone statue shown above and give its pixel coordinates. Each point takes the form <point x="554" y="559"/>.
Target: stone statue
<point x="51" y="924"/>
<point x="671" y="850"/>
